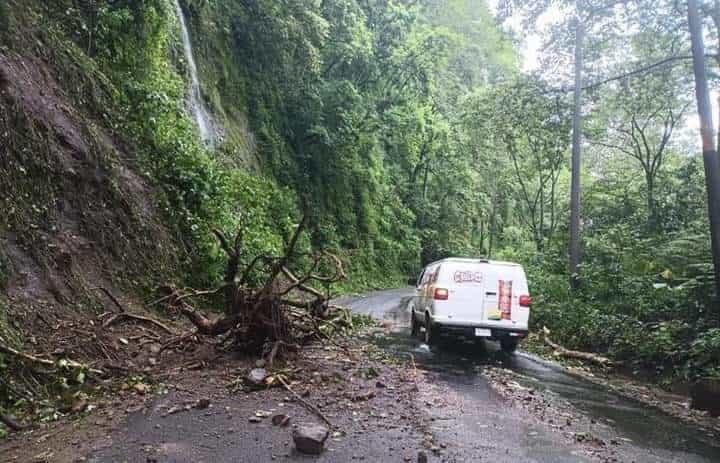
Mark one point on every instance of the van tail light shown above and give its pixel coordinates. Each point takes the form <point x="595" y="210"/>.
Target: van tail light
<point x="525" y="301"/>
<point x="440" y="294"/>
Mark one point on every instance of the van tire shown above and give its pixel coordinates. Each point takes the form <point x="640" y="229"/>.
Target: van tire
<point x="431" y="332"/>
<point x="508" y="345"/>
<point x="414" y="325"/>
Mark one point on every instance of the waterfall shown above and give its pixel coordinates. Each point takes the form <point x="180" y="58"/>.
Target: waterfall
<point x="196" y="105"/>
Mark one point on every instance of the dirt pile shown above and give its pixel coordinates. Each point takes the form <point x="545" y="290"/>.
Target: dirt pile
<point x="77" y="215"/>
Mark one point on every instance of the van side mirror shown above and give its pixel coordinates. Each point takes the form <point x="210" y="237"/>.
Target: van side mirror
<point x="412" y="281"/>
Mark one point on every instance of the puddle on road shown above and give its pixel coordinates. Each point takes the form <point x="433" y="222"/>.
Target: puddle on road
<point x="461" y="363"/>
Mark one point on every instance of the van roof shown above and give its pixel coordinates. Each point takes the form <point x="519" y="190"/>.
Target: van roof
<point x="476" y="260"/>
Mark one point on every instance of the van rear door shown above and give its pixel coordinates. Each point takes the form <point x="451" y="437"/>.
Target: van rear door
<point x="464" y="281"/>
<point x="502" y="288"/>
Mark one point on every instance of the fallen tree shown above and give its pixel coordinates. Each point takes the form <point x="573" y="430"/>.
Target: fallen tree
<point x="278" y="314"/>
<point x="561" y="351"/>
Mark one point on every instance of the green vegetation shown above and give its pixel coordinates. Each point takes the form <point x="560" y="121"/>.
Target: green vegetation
<point x="333" y="93"/>
<point x="646" y="278"/>
<point x="407" y="133"/>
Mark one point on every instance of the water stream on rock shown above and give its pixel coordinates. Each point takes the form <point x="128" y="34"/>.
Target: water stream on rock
<point x="196" y="105"/>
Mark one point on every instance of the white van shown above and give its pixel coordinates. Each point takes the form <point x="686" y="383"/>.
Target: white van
<point x="472" y="298"/>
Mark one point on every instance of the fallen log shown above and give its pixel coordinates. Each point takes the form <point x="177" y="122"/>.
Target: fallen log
<point x="561" y="351"/>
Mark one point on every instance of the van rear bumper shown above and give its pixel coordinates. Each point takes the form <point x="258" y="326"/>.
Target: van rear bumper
<point x="467" y="329"/>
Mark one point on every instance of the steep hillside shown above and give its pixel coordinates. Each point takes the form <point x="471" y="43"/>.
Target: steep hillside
<point x="344" y="109"/>
<point x="106" y="189"/>
<point x="77" y="212"/>
<point x="106" y="181"/>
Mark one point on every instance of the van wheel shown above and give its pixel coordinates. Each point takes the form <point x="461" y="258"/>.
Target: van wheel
<point x="508" y="345"/>
<point x="414" y="325"/>
<point x="431" y="332"/>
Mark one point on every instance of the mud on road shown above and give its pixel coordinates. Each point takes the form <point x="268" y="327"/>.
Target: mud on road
<point x="389" y="398"/>
<point x="209" y="415"/>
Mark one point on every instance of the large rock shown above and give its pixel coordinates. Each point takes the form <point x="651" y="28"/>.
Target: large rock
<point x="256" y="377"/>
<point x="310" y="438"/>
<point x="705" y="395"/>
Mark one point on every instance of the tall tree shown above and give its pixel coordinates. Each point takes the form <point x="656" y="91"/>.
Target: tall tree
<point x="590" y="19"/>
<point x="575" y="244"/>
<point x="531" y="129"/>
<point x="638" y="120"/>
<point x="707" y="134"/>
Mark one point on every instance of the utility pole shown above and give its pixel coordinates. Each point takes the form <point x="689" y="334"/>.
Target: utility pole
<point x="707" y="133"/>
<point x="575" y="187"/>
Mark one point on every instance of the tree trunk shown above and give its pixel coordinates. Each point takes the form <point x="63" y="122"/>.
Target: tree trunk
<point x="710" y="154"/>
<point x="493" y="224"/>
<point x="652" y="207"/>
<point x="482" y="236"/>
<point x="425" y="181"/>
<point x="421" y="219"/>
<point x="576" y="141"/>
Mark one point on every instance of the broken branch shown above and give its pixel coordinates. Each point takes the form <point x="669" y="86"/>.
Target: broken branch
<point x="126" y="315"/>
<point x="12" y="423"/>
<point x="67" y="363"/>
<point x="110" y="296"/>
<point x="307" y="404"/>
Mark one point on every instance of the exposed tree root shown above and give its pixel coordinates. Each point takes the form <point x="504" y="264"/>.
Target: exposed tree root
<point x="575" y="354"/>
<point x="207" y="326"/>
<point x="257" y="317"/>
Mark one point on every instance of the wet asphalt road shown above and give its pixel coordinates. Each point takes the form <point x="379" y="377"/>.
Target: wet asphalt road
<point x="647" y="434"/>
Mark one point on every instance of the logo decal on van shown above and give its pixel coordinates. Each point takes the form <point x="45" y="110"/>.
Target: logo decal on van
<point x="505" y="299"/>
<point x="467" y="277"/>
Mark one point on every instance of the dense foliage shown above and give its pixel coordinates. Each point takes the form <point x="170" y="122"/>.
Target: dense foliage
<point x="407" y="132"/>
